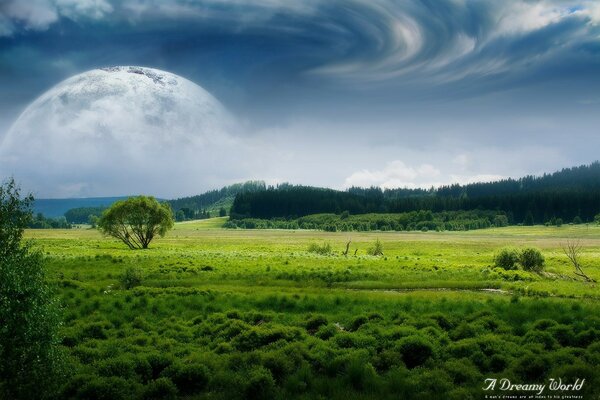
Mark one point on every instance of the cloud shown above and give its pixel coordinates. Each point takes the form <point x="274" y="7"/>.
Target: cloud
<point x="395" y="174"/>
<point x="359" y="40"/>
<point x="39" y="15"/>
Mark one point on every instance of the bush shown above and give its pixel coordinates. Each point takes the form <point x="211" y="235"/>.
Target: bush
<point x="189" y="378"/>
<point x="507" y="259"/>
<point x="531" y="259"/>
<point x="30" y="358"/>
<point x="260" y="384"/>
<point x="376" y="250"/>
<point x="415" y="351"/>
<point x="131" y="278"/>
<point x="324" y="249"/>
<point x="160" y="389"/>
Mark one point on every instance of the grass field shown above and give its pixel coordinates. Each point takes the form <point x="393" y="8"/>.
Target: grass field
<point x="253" y="314"/>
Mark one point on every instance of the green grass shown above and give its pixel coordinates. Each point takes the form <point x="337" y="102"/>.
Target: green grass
<point x="255" y="314"/>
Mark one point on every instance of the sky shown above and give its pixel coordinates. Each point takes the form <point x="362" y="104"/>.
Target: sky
<point x="330" y="93"/>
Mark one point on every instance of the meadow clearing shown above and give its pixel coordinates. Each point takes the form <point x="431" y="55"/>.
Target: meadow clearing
<point x="228" y="313"/>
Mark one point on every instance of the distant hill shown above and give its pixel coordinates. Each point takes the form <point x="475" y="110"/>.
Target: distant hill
<point x="212" y="201"/>
<point x="54" y="208"/>
<point x="195" y="206"/>
<point x="572" y="194"/>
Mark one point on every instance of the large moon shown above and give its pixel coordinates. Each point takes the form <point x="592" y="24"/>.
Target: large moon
<point x="120" y="130"/>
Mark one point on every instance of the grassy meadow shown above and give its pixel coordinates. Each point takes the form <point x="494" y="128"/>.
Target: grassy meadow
<point x="231" y="313"/>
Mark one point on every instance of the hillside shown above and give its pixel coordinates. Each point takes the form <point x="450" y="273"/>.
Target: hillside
<point x="212" y="201"/>
<point x="572" y="194"/>
<point x="54" y="208"/>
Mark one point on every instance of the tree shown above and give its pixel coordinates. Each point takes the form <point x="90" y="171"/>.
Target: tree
<point x="30" y="358"/>
<point x="93" y="220"/>
<point x="528" y="219"/>
<point x="531" y="259"/>
<point x="222" y="212"/>
<point x="572" y="250"/>
<point x="507" y="259"/>
<point x="136" y="221"/>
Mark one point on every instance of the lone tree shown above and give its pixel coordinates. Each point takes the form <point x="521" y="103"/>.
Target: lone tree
<point x="572" y="250"/>
<point x="136" y="221"/>
<point x="30" y="359"/>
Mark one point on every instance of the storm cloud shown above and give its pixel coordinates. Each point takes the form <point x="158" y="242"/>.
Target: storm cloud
<point x="362" y="87"/>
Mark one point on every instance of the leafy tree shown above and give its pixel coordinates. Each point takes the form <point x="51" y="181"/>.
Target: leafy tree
<point x="531" y="259"/>
<point x="93" y="220"/>
<point x="500" y="220"/>
<point x="222" y="212"/>
<point x="137" y="220"/>
<point x="528" y="219"/>
<point x="507" y="259"/>
<point x="29" y="314"/>
<point x="597" y="219"/>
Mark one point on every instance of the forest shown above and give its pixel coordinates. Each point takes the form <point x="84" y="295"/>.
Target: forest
<point x="569" y="195"/>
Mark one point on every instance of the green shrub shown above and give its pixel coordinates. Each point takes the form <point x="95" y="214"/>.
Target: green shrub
<point x="131" y="278"/>
<point x="324" y="249"/>
<point x="531" y="259"/>
<point x="360" y="374"/>
<point x="260" y="384"/>
<point x="123" y="367"/>
<point x="160" y="389"/>
<point x="507" y="259"/>
<point x="532" y="367"/>
<point x="189" y="378"/>
<point x="542" y="337"/>
<point x="415" y="351"/>
<point x="112" y="388"/>
<point x="357" y="322"/>
<point x="376" y="249"/>
<point x="315" y="322"/>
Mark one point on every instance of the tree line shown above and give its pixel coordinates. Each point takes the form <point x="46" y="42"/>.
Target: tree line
<point x="570" y="195"/>
<point x="408" y="221"/>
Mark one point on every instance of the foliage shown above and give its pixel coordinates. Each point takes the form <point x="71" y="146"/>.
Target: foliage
<point x="29" y="314"/>
<point x="81" y="215"/>
<point x="136" y="221"/>
<point x="214" y="201"/>
<point x="506" y="258"/>
<point x="531" y="259"/>
<point x="131" y="278"/>
<point x="41" y="222"/>
<point x="324" y="249"/>
<point x="410" y="221"/>
<point x="533" y="200"/>
<point x="252" y="313"/>
<point x="376" y="249"/>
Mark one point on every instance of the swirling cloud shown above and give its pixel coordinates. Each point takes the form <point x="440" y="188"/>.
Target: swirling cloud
<point x="365" y="41"/>
<point x="376" y="80"/>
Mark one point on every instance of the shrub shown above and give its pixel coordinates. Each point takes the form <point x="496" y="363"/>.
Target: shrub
<point x="415" y="351"/>
<point x="160" y="389"/>
<point x="531" y="259"/>
<point x="112" y="388"/>
<point x="507" y="259"/>
<point x="532" y="367"/>
<point x="189" y="378"/>
<point x="260" y="384"/>
<point x="315" y="322"/>
<point x="324" y="249"/>
<point x="131" y="278"/>
<point x="376" y="250"/>
<point x="30" y="358"/>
